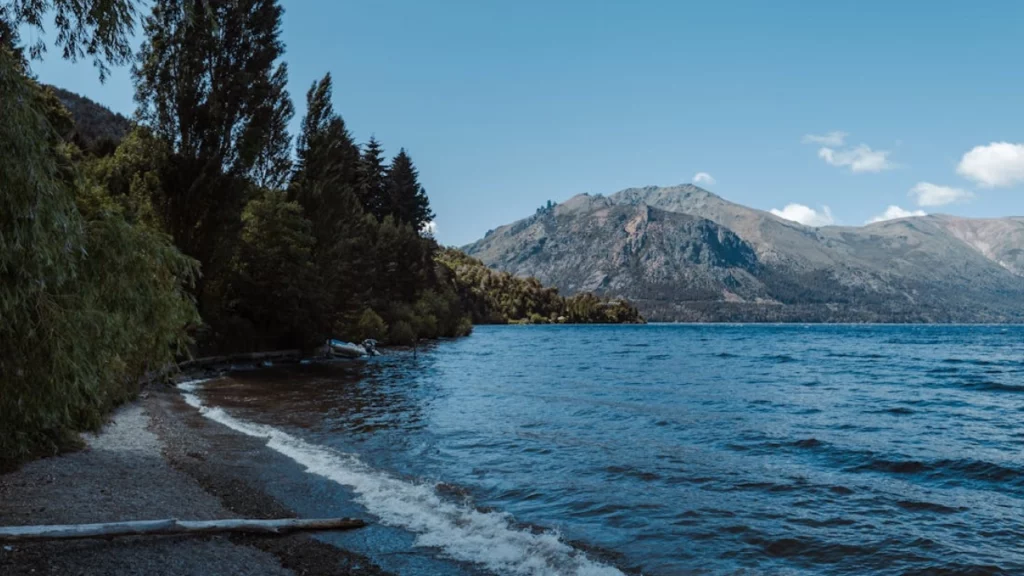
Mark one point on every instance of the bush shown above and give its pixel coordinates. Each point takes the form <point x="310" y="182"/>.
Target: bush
<point x="401" y="334"/>
<point x="371" y="325"/>
<point x="464" y="327"/>
<point x="425" y="326"/>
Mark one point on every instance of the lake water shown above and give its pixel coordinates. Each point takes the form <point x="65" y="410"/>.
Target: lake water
<point x="707" y="449"/>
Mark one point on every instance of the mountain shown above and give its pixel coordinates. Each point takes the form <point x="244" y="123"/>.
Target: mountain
<point x="683" y="253"/>
<point x="97" y="128"/>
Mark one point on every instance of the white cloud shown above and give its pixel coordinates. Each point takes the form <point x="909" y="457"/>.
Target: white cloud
<point x="929" y="194"/>
<point x="833" y="139"/>
<point x="805" y="215"/>
<point x="894" y="212"/>
<point x="859" y="159"/>
<point x="998" y="164"/>
<point x="430" y="228"/>
<point x="703" y="178"/>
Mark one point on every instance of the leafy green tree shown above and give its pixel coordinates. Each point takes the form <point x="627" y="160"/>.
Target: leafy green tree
<point x="132" y="175"/>
<point x="97" y="29"/>
<point x="273" y="166"/>
<point x="207" y="83"/>
<point x="407" y="200"/>
<point x="271" y="292"/>
<point x="371" y="325"/>
<point x="90" y="300"/>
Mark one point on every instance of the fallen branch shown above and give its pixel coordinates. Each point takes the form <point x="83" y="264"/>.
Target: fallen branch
<point x="243" y="357"/>
<point x="164" y="527"/>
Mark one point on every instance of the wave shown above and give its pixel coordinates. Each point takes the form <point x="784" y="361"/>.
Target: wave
<point x="990" y="386"/>
<point x="868" y="356"/>
<point x="948" y="469"/>
<point x="463" y="532"/>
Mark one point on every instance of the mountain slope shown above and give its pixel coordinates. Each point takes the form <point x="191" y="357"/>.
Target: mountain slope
<point x="95" y="124"/>
<point x="683" y="253"/>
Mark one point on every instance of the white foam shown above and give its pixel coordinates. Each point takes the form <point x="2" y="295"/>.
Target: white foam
<point x="460" y="530"/>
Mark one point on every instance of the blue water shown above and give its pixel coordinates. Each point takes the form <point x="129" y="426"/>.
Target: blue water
<point x="703" y="449"/>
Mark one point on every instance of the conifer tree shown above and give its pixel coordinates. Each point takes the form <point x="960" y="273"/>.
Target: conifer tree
<point x="407" y="200"/>
<point x="372" y="180"/>
<point x="325" y="183"/>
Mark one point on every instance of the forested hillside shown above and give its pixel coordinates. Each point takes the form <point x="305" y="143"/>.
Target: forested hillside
<point x="96" y="128"/>
<point x="203" y="226"/>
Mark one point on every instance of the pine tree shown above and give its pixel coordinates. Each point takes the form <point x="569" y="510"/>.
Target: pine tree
<point x="407" y="200"/>
<point x="325" y="184"/>
<point x="327" y="158"/>
<point x="372" y="180"/>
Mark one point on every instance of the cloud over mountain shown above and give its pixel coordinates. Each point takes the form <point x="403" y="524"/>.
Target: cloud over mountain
<point x="895" y="212"/>
<point x="703" y="178"/>
<point x="928" y="194"/>
<point x="860" y="158"/>
<point x="998" y="164"/>
<point x="805" y="215"/>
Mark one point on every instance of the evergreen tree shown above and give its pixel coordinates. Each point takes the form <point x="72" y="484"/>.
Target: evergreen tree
<point x="407" y="200"/>
<point x="372" y="180"/>
<point x="325" y="183"/>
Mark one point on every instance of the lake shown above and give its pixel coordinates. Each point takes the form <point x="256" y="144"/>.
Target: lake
<point x="670" y="449"/>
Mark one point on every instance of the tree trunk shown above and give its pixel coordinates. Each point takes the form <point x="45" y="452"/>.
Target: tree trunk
<point x="172" y="526"/>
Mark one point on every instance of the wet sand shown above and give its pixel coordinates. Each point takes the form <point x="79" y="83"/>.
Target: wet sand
<point x="158" y="458"/>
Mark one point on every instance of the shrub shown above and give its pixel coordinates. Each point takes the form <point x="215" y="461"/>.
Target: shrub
<point x="401" y="334"/>
<point x="464" y="327"/>
<point x="371" y="325"/>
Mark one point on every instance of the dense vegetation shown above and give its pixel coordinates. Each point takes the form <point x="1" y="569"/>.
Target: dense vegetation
<point x="203" y="228"/>
<point x="494" y="297"/>
<point x="91" y="295"/>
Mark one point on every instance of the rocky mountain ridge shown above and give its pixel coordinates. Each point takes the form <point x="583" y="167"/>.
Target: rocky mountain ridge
<point x="683" y="253"/>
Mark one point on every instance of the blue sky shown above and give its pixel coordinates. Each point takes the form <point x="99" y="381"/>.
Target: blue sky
<point x="851" y="105"/>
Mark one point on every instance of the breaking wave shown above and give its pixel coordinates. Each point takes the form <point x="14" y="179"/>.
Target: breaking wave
<point x="464" y="533"/>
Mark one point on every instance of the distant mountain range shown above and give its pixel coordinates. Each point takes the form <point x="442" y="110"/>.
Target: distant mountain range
<point x="682" y="253"/>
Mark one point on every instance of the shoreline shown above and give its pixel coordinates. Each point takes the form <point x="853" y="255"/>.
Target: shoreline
<point x="158" y="458"/>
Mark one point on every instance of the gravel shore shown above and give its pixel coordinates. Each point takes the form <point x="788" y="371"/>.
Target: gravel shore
<point x="159" y="459"/>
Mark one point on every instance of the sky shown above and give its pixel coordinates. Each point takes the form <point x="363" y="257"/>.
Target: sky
<point x="836" y="112"/>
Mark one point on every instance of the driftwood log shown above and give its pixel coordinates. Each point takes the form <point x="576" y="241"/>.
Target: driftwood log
<point x="172" y="526"/>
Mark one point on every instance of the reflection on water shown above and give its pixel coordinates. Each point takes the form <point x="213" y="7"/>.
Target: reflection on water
<point x="697" y="449"/>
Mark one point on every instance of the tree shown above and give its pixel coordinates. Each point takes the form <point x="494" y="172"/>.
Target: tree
<point x="206" y="82"/>
<point x="273" y="166"/>
<point x="324" y="184"/>
<point x="271" y="293"/>
<point x="407" y="200"/>
<point x="90" y="299"/>
<point x="98" y="29"/>
<point x="372" y="180"/>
